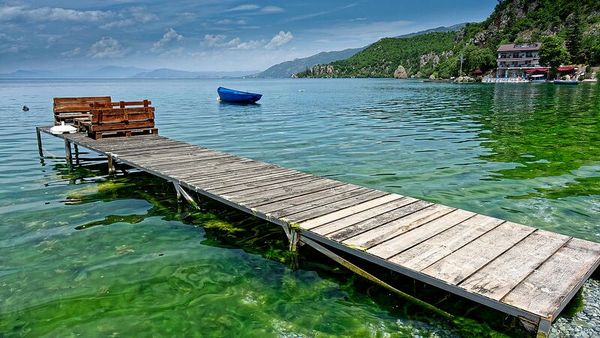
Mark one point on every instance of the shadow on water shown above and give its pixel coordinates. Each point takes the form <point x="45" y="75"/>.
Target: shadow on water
<point x="228" y="228"/>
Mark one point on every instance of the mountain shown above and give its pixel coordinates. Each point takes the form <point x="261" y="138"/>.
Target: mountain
<point x="441" y="29"/>
<point x="120" y="72"/>
<point x="165" y="73"/>
<point x="289" y="68"/>
<point x="569" y="32"/>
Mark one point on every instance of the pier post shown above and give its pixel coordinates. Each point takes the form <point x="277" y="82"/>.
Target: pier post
<point x="111" y="165"/>
<point x="38" y="134"/>
<point x="68" y="155"/>
<point x="76" y="148"/>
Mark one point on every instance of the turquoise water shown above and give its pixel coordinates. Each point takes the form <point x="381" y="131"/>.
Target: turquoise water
<point x="83" y="253"/>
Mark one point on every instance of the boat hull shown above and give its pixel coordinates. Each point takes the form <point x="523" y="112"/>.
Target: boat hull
<point x="236" y="96"/>
<point x="566" y="82"/>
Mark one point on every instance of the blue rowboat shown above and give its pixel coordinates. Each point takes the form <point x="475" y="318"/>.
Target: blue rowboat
<point x="236" y="96"/>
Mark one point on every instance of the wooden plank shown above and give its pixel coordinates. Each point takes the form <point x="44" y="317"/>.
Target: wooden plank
<point x="407" y="240"/>
<point x="243" y="180"/>
<point x="318" y="202"/>
<point x="250" y="199"/>
<point x="332" y="206"/>
<point x="185" y="155"/>
<point x="224" y="176"/>
<point x="303" y="200"/>
<point x="380" y="234"/>
<point x="154" y="151"/>
<point x="315" y="222"/>
<point x="348" y="221"/>
<point x="265" y="181"/>
<point x="258" y="193"/>
<point x="500" y="276"/>
<point x="545" y="290"/>
<point x="202" y="166"/>
<point x="190" y="169"/>
<point x="339" y="234"/>
<point x="465" y="261"/>
<point x="437" y="247"/>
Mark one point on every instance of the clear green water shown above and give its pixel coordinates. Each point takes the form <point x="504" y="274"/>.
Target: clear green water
<point x="85" y="254"/>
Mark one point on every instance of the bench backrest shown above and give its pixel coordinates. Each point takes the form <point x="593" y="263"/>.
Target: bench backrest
<point x="77" y="104"/>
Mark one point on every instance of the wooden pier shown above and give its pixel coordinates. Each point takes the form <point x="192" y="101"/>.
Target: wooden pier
<point x="522" y="271"/>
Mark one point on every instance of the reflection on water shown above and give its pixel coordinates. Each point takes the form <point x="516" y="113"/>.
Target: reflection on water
<point x="83" y="252"/>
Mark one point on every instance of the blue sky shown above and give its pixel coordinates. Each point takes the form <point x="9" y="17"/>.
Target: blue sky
<point x="205" y="35"/>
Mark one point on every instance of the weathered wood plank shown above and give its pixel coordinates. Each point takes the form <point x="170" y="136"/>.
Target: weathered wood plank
<point x="260" y="181"/>
<point x="166" y="159"/>
<point x="437" y="247"/>
<point x="333" y="206"/>
<point x="299" y="180"/>
<point x="407" y="240"/>
<point x="465" y="261"/>
<point x="545" y="289"/>
<point x="191" y="168"/>
<point x="500" y="276"/>
<point x="196" y="172"/>
<point x="339" y="234"/>
<point x="315" y="222"/>
<point x="348" y="221"/>
<point x="318" y="202"/>
<point x="249" y="199"/>
<point x="243" y="183"/>
<point x="380" y="234"/>
<point x="304" y="199"/>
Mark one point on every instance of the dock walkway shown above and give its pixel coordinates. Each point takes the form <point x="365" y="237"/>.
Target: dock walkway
<point x="519" y="270"/>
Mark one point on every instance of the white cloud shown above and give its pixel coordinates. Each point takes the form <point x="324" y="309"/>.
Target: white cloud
<point x="170" y="35"/>
<point x="250" y="44"/>
<point x="106" y="48"/>
<point x="256" y="8"/>
<point x="131" y="17"/>
<point x="213" y="40"/>
<point x="231" y="22"/>
<point x="8" y="13"/>
<point x="71" y="53"/>
<point x="234" y="43"/>
<point x="241" y="8"/>
<point x="279" y="39"/>
<point x="271" y="9"/>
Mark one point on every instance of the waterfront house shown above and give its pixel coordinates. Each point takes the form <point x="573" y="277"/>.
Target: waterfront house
<point x="515" y="60"/>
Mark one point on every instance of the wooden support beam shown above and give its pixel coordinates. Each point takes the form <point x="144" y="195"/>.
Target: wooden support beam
<point x="38" y="134"/>
<point x="76" y="148"/>
<point x="111" y="164"/>
<point x="68" y="155"/>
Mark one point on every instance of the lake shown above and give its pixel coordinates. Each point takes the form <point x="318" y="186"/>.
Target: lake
<point x="82" y="252"/>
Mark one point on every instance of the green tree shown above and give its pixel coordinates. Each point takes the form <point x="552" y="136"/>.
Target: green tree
<point x="553" y="53"/>
<point x="573" y="33"/>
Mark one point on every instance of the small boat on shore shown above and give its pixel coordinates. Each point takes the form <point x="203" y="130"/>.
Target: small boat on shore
<point x="566" y="82"/>
<point x="236" y="96"/>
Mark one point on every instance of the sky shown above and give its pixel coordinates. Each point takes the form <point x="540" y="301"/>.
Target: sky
<point x="207" y="35"/>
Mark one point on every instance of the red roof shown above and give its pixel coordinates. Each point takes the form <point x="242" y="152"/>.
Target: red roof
<point x="538" y="70"/>
<point x="565" y="69"/>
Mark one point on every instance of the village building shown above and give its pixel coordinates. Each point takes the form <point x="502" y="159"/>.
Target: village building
<point x="517" y="60"/>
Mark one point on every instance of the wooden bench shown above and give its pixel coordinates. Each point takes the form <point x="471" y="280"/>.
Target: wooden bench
<point x="67" y="109"/>
<point x="124" y="118"/>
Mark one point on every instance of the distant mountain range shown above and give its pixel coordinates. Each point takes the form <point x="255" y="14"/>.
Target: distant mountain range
<point x="119" y="72"/>
<point x="288" y="68"/>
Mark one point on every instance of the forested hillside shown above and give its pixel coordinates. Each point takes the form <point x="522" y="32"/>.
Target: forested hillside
<point x="569" y="31"/>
